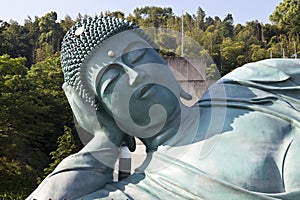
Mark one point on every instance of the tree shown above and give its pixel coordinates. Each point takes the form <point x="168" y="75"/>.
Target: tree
<point x="45" y="80"/>
<point x="286" y="16"/>
<point x="117" y="14"/>
<point x="152" y="16"/>
<point x="66" y="23"/>
<point x="233" y="55"/>
<point x="65" y="147"/>
<point x="200" y="18"/>
<point x="167" y="41"/>
<point x="257" y="53"/>
<point x="33" y="114"/>
<point x="191" y="48"/>
<point x="250" y="34"/>
<point x="208" y="22"/>
<point x="16" y="41"/>
<point x="270" y="31"/>
<point x="227" y="26"/>
<point x="50" y="31"/>
<point x="44" y="52"/>
<point x="211" y="40"/>
<point x="23" y="41"/>
<point x="16" y="172"/>
<point x="33" y="35"/>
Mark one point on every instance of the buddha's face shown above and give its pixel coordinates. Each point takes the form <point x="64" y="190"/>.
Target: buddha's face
<point x="137" y="88"/>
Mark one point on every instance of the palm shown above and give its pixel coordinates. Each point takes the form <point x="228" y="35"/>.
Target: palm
<point x="96" y="122"/>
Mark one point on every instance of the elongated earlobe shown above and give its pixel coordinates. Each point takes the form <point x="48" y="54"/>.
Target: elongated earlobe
<point x="130" y="141"/>
<point x="184" y="94"/>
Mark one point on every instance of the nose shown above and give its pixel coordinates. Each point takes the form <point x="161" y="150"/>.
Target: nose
<point x="134" y="76"/>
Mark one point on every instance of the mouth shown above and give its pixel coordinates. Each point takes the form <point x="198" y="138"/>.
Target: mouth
<point x="146" y="90"/>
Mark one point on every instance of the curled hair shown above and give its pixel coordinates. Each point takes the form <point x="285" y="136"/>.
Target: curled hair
<point x="81" y="40"/>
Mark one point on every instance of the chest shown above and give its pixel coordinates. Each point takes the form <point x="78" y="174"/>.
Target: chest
<point x="250" y="153"/>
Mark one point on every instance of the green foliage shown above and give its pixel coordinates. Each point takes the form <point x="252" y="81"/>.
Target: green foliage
<point x="167" y="52"/>
<point x="66" y="23"/>
<point x="212" y="72"/>
<point x="14" y="176"/>
<point x="257" y="53"/>
<point x="12" y="66"/>
<point x="45" y="51"/>
<point x="167" y="41"/>
<point x="50" y="31"/>
<point x="117" y="14"/>
<point x="46" y="79"/>
<point x="15" y="41"/>
<point x="13" y="196"/>
<point x="211" y="38"/>
<point x="227" y="26"/>
<point x="152" y="16"/>
<point x="232" y="54"/>
<point x="34" y="112"/>
<point x="286" y="16"/>
<point x="200" y="18"/>
<point x="23" y="41"/>
<point x="66" y="147"/>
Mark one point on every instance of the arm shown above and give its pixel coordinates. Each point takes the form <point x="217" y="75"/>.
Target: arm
<point x="92" y="167"/>
<point x="79" y="174"/>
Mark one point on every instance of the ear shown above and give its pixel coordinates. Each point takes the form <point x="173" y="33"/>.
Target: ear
<point x="184" y="94"/>
<point x="84" y="113"/>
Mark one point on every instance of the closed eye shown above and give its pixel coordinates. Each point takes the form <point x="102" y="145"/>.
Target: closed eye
<point x="139" y="54"/>
<point x="109" y="83"/>
<point x="132" y="57"/>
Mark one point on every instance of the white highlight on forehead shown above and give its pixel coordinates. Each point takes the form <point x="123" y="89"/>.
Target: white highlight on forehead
<point x="111" y="54"/>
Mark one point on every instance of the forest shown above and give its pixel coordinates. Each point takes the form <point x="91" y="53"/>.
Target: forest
<point x="37" y="129"/>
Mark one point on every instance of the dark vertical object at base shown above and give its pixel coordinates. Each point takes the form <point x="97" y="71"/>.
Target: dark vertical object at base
<point x="124" y="168"/>
<point x="124" y="163"/>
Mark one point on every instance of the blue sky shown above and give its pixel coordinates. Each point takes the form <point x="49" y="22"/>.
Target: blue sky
<point x="242" y="10"/>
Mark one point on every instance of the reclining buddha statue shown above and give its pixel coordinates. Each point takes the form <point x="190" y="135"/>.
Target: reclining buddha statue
<point x="239" y="141"/>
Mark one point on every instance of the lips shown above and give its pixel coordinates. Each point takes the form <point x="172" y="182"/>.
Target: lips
<point x="146" y="90"/>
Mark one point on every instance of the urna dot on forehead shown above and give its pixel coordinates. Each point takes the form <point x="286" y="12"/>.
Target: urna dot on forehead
<point x="79" y="43"/>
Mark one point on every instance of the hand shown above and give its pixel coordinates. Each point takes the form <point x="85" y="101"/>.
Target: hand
<point x="98" y="123"/>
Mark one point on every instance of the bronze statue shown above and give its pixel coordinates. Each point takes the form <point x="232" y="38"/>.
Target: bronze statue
<point x="239" y="141"/>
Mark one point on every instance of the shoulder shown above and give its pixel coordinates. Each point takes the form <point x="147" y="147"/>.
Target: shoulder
<point x="270" y="70"/>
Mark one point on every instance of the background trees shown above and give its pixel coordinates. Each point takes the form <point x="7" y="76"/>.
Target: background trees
<point x="287" y="19"/>
<point x="34" y="112"/>
<point x="286" y="16"/>
<point x="229" y="45"/>
<point x="36" y="123"/>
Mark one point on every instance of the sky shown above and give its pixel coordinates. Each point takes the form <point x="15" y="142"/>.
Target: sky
<point x="242" y="10"/>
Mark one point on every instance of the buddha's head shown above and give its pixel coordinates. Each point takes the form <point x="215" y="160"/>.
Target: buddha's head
<point x="112" y="66"/>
